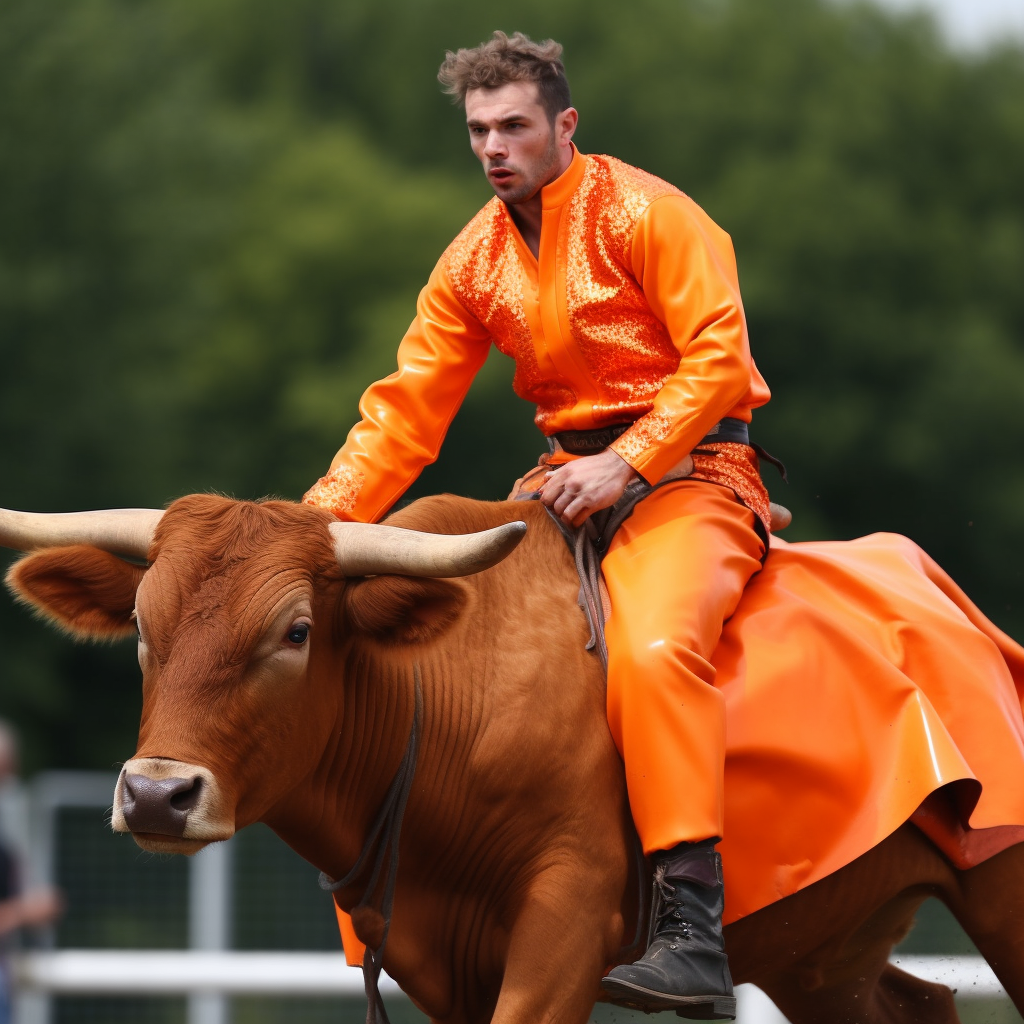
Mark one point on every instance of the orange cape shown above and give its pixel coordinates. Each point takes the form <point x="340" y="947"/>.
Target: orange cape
<point x="859" y="679"/>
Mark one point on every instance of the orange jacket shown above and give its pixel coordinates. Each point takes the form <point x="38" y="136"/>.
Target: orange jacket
<point x="632" y="312"/>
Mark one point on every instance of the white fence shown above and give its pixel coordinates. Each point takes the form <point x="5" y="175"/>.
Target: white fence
<point x="209" y="973"/>
<point x="206" y="974"/>
<point x="123" y="972"/>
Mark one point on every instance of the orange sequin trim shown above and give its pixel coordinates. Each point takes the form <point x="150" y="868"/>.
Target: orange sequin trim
<point x="647" y="431"/>
<point x="735" y="466"/>
<point x="337" y="492"/>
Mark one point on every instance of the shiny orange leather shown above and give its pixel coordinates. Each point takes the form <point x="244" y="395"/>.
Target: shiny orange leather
<point x="859" y="683"/>
<point x="675" y="572"/>
<point x="632" y="312"/>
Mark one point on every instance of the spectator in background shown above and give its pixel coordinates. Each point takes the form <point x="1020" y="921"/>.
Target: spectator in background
<point x="17" y="910"/>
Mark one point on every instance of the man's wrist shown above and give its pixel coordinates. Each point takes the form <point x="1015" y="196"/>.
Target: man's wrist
<point x="620" y="466"/>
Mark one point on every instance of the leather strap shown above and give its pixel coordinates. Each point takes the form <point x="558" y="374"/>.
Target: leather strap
<point x="727" y="430"/>
<point x="590" y="442"/>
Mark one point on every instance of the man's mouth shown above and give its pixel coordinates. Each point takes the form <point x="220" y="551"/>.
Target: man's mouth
<point x="500" y="175"/>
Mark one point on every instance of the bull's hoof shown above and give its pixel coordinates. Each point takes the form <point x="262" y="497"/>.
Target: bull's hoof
<point x="636" y="997"/>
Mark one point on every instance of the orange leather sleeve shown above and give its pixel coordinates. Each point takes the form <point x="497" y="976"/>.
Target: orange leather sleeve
<point x="686" y="267"/>
<point x="405" y="417"/>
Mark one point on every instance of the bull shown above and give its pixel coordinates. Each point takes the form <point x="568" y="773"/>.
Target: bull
<point x="287" y="659"/>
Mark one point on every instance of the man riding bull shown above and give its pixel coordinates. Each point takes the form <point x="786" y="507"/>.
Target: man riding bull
<point x="617" y="297"/>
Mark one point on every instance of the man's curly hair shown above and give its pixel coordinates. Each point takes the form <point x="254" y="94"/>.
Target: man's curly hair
<point x="503" y="59"/>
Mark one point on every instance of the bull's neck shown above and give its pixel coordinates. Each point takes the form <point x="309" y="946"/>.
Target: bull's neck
<point x="327" y="819"/>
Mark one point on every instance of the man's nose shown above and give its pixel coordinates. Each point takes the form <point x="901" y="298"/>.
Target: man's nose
<point x="495" y="145"/>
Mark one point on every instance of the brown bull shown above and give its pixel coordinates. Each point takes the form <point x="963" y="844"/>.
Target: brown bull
<point x="279" y="686"/>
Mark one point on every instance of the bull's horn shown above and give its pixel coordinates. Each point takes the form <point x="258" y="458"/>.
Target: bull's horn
<point x="781" y="517"/>
<point x="368" y="549"/>
<point x="122" y="531"/>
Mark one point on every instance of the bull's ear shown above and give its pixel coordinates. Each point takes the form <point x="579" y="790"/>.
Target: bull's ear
<point x="401" y="609"/>
<point x="89" y="592"/>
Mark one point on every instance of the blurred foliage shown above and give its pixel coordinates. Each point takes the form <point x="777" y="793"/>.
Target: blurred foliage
<point x="215" y="215"/>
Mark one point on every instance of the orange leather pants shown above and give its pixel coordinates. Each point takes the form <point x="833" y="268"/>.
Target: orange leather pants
<point x="675" y="572"/>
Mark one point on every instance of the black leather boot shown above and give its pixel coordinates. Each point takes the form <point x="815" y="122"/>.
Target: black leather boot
<point x="685" y="967"/>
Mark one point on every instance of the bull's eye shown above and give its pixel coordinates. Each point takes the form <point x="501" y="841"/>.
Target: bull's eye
<point x="299" y="633"/>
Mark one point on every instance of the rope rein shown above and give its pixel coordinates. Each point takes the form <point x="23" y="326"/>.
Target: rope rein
<point x="382" y="844"/>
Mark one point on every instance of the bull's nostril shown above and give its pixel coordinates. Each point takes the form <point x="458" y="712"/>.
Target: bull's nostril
<point x="129" y="790"/>
<point x="186" y="798"/>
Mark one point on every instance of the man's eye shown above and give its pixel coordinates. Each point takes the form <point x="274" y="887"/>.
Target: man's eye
<point x="298" y="634"/>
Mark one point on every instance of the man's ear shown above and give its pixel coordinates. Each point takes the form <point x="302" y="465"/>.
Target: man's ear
<point x="402" y="609"/>
<point x="88" y="592"/>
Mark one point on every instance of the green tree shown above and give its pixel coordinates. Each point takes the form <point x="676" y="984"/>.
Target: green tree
<point x="215" y="216"/>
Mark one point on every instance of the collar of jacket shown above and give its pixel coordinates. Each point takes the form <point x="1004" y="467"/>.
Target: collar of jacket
<point x="562" y="189"/>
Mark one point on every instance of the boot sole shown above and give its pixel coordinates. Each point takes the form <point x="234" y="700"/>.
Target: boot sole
<point x="636" y="997"/>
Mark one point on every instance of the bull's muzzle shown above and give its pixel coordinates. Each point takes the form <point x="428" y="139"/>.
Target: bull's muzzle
<point x="159" y="805"/>
<point x="170" y="806"/>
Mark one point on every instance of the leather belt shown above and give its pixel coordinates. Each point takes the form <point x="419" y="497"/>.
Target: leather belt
<point x="590" y="442"/>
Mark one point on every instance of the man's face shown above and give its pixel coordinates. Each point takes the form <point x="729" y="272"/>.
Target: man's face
<point x="513" y="137"/>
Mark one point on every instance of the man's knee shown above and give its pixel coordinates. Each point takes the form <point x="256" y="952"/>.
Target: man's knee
<point x="652" y="663"/>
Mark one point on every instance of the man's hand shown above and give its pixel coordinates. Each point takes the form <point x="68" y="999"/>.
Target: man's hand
<point x="586" y="485"/>
<point x="37" y="907"/>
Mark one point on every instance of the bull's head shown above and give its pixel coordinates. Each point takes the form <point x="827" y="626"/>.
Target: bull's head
<point x="233" y="604"/>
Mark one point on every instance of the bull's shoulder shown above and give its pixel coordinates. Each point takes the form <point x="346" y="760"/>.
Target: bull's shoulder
<point x="448" y="513"/>
<point x="538" y="578"/>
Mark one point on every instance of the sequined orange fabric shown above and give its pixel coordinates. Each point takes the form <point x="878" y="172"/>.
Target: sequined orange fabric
<point x="486" y="276"/>
<point x="337" y="491"/>
<point x="645" y="432"/>
<point x="625" y="346"/>
<point x="630" y="311"/>
<point x="736" y="467"/>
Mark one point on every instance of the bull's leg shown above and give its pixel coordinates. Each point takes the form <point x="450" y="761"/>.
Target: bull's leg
<point x="832" y="941"/>
<point x="989" y="904"/>
<point x="882" y="995"/>
<point x="860" y="986"/>
<point x="557" y="952"/>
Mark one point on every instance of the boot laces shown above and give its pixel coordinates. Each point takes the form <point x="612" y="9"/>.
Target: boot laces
<point x="670" y="907"/>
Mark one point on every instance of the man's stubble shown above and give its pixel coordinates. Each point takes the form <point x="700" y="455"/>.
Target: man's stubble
<point x="543" y="177"/>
